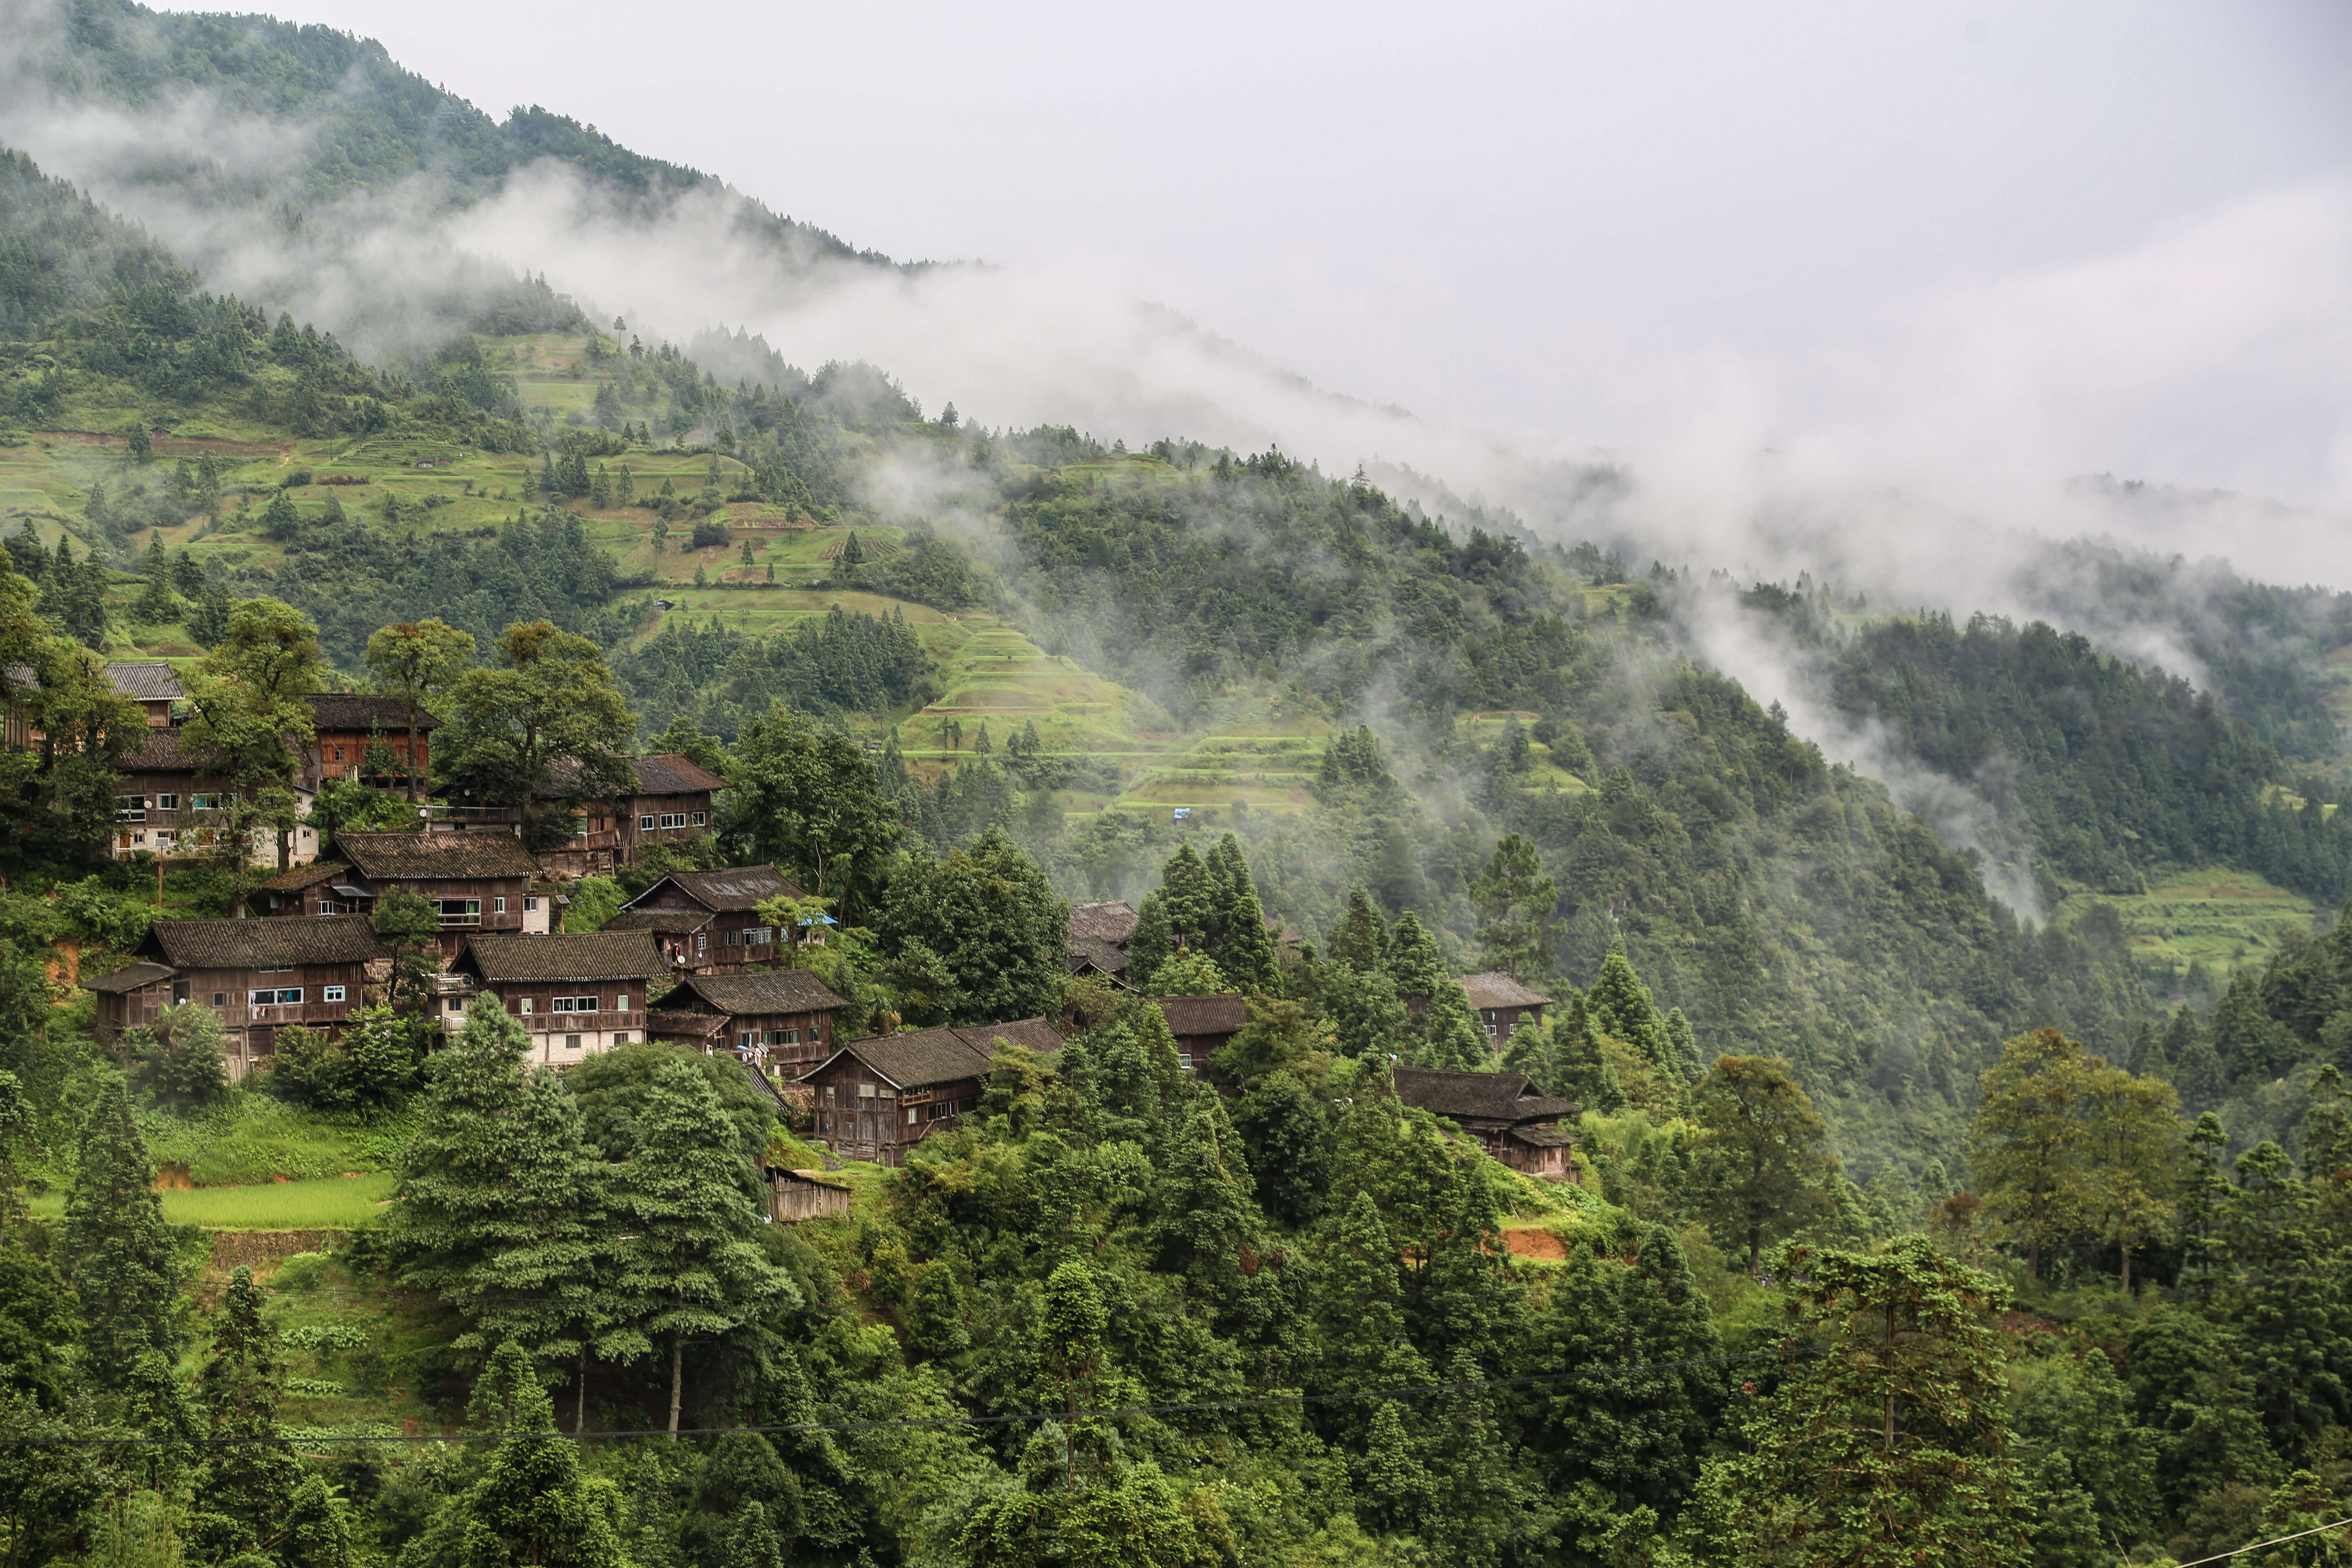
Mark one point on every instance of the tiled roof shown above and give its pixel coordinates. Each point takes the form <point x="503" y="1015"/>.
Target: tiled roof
<point x="1499" y="989"/>
<point x="425" y="857"/>
<point x="500" y="958"/>
<point x="670" y="774"/>
<point x="756" y="991"/>
<point x="1030" y="1034"/>
<point x="351" y="710"/>
<point x="305" y="877"/>
<point x="1112" y="922"/>
<point x="922" y="1057"/>
<point x="1093" y="951"/>
<point x="1543" y="1137"/>
<point x="669" y="922"/>
<point x="130" y="978"/>
<point x="262" y="943"/>
<point x="162" y="751"/>
<point x="144" y="681"/>
<point x="730" y="889"/>
<point x="1477" y="1096"/>
<point x="1220" y="1015"/>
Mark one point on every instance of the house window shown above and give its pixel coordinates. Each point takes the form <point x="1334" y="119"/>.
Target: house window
<point x="167" y="802"/>
<point x="130" y="808"/>
<point x="622" y="1039"/>
<point x="571" y="1042"/>
<point x="579" y="827"/>
<point x="204" y="803"/>
<point x="673" y="819"/>
<point x="498" y="906"/>
<point x="220" y="998"/>
<point x="1184" y="1060"/>
<point x="645" y="824"/>
<point x="577" y="1005"/>
<point x="911" y="1113"/>
<point x="734" y="939"/>
<point x="865" y="1091"/>
<point x="784" y="1037"/>
<point x="701" y="941"/>
<point x="460" y="911"/>
<point x="525" y="1006"/>
<point x="887" y="1092"/>
<point x="758" y="936"/>
<point x="456" y="1004"/>
<point x="330" y="992"/>
<point x="279" y="996"/>
<point x="329" y="906"/>
<point x="163" y="838"/>
<point x="530" y="905"/>
<point x="746" y="1039"/>
<point x="339" y="753"/>
<point x="699" y="817"/>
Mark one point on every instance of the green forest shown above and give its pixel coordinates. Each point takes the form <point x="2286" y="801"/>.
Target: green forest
<point x="1945" y="1199"/>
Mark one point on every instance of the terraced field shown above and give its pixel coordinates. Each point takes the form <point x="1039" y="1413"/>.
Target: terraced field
<point x="2220" y="919"/>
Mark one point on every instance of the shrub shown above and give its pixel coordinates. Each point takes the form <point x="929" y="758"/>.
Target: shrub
<point x="710" y="532"/>
<point x="178" y="1059"/>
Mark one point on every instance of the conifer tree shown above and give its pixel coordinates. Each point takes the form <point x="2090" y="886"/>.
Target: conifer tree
<point x="157" y="603"/>
<point x="1180" y="915"/>
<point x="1448" y="1034"/>
<point x="120" y="1256"/>
<point x="1243" y="947"/>
<point x="157" y="1407"/>
<point x="501" y="1203"/>
<point x="1762" y="1156"/>
<point x="1203" y="1207"/>
<point x="1360" y="1335"/>
<point x="1620" y="1006"/>
<point x="534" y="1504"/>
<point x="250" y="1475"/>
<point x="690" y="1268"/>
<point x="2327" y="1128"/>
<point x="1360" y="939"/>
<point x="2197" y="1070"/>
<point x="1515" y="902"/>
<point x="1286" y="1136"/>
<point x="1367" y="1016"/>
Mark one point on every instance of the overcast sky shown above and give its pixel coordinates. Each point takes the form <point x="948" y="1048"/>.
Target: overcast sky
<point x="2117" y="234"/>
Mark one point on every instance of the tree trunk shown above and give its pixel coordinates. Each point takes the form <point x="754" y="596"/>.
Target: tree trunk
<point x="1755" y="1251"/>
<point x="677" y="1373"/>
<point x="2127" y="1252"/>
<point x="412" y="754"/>
<point x="580" y="1396"/>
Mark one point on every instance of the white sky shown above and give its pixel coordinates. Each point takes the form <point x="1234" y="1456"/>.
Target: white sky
<point x="2106" y="235"/>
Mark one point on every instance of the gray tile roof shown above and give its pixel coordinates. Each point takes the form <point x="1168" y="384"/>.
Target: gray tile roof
<point x="130" y="978"/>
<point x="305" y="877"/>
<point x="1499" y="989"/>
<point x="729" y="890"/>
<point x="669" y="922"/>
<point x="263" y="943"/>
<point x="144" y="681"/>
<point x="354" y="710"/>
<point x="755" y="991"/>
<point x="670" y="774"/>
<point x="503" y="959"/>
<point x="1222" y="1014"/>
<point x="1093" y="951"/>
<point x="1112" y="922"/>
<point x="916" y="1060"/>
<point x="1477" y="1096"/>
<point x="472" y="856"/>
<point x="1030" y="1034"/>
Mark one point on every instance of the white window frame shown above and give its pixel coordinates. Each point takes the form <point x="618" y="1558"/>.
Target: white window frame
<point x="524" y="1003"/>
<point x="645" y="822"/>
<point x="530" y="905"/>
<point x="621" y="1003"/>
<point x="169" y="802"/>
<point x="699" y="818"/>
<point x="498" y="906"/>
<point x="330" y="992"/>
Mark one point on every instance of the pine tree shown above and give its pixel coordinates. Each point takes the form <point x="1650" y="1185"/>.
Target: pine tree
<point x="1242" y="944"/>
<point x="157" y="603"/>
<point x="2327" y="1128"/>
<point x="501" y="1203"/>
<point x="1205" y="1214"/>
<point x="1620" y="1006"/>
<point x="250" y="1474"/>
<point x="690" y="1268"/>
<point x="1446" y="1034"/>
<point x="1762" y="1156"/>
<point x="1514" y="902"/>
<point x="1361" y="940"/>
<point x="534" y="1504"/>
<point x="750" y="1543"/>
<point x="1286" y="1134"/>
<point x="120" y="1256"/>
<point x="1360" y="1335"/>
<point x="1366" y="1015"/>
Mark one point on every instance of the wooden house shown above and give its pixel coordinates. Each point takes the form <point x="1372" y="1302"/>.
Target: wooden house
<point x="347" y="724"/>
<point x="796" y="1196"/>
<point x="876" y="1098"/>
<point x="779" y="1020"/>
<point x="672" y="804"/>
<point x="150" y="683"/>
<point x="709" y="921"/>
<point x="1511" y="1118"/>
<point x="171" y="806"/>
<point x="1099" y="935"/>
<point x="257" y="975"/>
<point x="1503" y="1004"/>
<point x="1201" y="1025"/>
<point x="573" y="994"/>
<point x="480" y="881"/>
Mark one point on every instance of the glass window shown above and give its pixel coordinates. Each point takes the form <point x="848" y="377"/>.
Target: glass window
<point x="167" y="802"/>
<point x="911" y="1113"/>
<point x="530" y="905"/>
<point x="747" y="1038"/>
<point x="456" y="1004"/>
<point x="525" y="1006"/>
<point x="699" y="818"/>
<point x="784" y="1037"/>
<point x="645" y="825"/>
<point x="621" y="1003"/>
<point x="865" y="1091"/>
<point x="571" y="1042"/>
<point x="498" y="906"/>
<point x="330" y="992"/>
<point x="622" y="1039"/>
<point x="220" y="998"/>
<point x="734" y="939"/>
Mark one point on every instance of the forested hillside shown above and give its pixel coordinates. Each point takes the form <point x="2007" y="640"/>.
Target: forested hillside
<point x="2084" y="1165"/>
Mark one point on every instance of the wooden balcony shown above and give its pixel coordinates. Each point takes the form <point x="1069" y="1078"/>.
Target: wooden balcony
<point x="277" y="1016"/>
<point x="580" y="1022"/>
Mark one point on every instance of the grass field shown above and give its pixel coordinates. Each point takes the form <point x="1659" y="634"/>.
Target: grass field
<point x="331" y="1202"/>
<point x="2220" y="919"/>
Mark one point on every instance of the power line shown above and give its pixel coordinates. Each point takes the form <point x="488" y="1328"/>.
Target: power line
<point x="1264" y="1402"/>
<point x="2274" y="1541"/>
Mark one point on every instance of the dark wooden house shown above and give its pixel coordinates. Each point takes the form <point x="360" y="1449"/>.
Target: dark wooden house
<point x="778" y="1019"/>
<point x="347" y="724"/>
<point x="876" y="1098"/>
<point x="152" y="684"/>
<point x="257" y="975"/>
<point x="796" y="1196"/>
<point x="1099" y="935"/>
<point x="480" y="881"/>
<point x="709" y="921"/>
<point x="672" y="803"/>
<point x="172" y="801"/>
<point x="575" y="995"/>
<point x="1503" y="1004"/>
<point x="1511" y="1118"/>
<point x="1201" y="1025"/>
